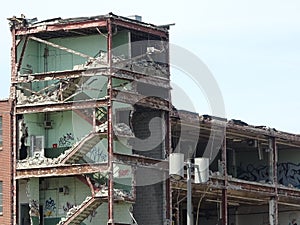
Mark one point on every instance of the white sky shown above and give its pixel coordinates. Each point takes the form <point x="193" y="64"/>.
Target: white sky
<point x="251" y="47"/>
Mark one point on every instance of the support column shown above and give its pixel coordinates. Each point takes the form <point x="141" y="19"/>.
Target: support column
<point x="273" y="202"/>
<point x="168" y="152"/>
<point x="33" y="196"/>
<point x="224" y="190"/>
<point x="273" y="211"/>
<point x="110" y="128"/>
<point x="14" y="205"/>
<point x="189" y="194"/>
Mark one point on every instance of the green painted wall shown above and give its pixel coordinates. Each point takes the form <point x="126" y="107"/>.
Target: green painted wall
<point x="99" y="152"/>
<point x="33" y="195"/>
<point x="56" y="204"/>
<point x="34" y="123"/>
<point x="67" y="128"/>
<point x="58" y="60"/>
<point x="30" y="59"/>
<point x="123" y="85"/>
<point x="121" y="44"/>
<point x="121" y="214"/>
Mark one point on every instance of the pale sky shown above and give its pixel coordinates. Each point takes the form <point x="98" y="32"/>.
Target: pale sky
<point x="251" y="47"/>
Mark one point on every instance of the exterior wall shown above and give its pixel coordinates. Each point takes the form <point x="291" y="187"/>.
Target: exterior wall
<point x="5" y="164"/>
<point x="148" y="208"/>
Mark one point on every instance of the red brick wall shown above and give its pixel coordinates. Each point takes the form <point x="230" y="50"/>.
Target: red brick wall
<point x="5" y="164"/>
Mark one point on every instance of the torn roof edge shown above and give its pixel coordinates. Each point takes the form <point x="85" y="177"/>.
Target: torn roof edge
<point x="58" y="20"/>
<point x="228" y="122"/>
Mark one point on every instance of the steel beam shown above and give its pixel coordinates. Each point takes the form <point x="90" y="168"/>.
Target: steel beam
<point x="146" y="29"/>
<point x="137" y="99"/>
<point x="35" y="108"/>
<point x="61" y="27"/>
<point x="110" y="128"/>
<point x="61" y="170"/>
<point x="224" y="204"/>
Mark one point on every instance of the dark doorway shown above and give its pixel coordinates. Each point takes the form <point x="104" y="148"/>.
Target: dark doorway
<point x="25" y="218"/>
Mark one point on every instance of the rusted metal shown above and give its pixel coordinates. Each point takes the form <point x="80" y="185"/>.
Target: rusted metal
<point x="61" y="47"/>
<point x="137" y="99"/>
<point x="88" y="180"/>
<point x="137" y="160"/>
<point x="34" y="108"/>
<point x="19" y="63"/>
<point x="61" y="27"/>
<point x="259" y="133"/>
<point x="168" y="150"/>
<point x="131" y="75"/>
<point x="273" y="203"/>
<point x="55" y="75"/>
<point x="12" y="100"/>
<point x="224" y="204"/>
<point x="110" y="128"/>
<point x="61" y="170"/>
<point x="13" y="60"/>
<point x="147" y="29"/>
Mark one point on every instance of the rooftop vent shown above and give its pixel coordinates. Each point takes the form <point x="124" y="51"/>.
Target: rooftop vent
<point x="135" y="17"/>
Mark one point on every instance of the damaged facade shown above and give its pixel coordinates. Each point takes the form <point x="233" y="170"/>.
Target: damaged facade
<point x="93" y="127"/>
<point x="82" y="102"/>
<point x="253" y="172"/>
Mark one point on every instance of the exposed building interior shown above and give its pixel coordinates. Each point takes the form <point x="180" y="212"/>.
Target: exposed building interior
<point x="85" y="90"/>
<point x="253" y="172"/>
<point x="93" y="127"/>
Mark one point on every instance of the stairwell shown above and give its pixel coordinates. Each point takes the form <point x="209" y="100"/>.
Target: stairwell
<point x="79" y="213"/>
<point x="84" y="146"/>
<point x="87" y="115"/>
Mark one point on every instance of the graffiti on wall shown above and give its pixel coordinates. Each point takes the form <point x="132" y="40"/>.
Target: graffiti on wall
<point x="50" y="207"/>
<point x="34" y="208"/>
<point x="288" y="173"/>
<point x="67" y="206"/>
<point x="253" y="173"/>
<point x="66" y="140"/>
<point x="98" y="154"/>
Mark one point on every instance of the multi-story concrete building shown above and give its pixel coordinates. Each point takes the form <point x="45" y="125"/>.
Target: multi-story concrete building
<point x="93" y="127"/>
<point x="84" y="91"/>
<point x="6" y="171"/>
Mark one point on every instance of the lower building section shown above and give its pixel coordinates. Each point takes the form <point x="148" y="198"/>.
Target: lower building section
<point x="68" y="200"/>
<point x="150" y="197"/>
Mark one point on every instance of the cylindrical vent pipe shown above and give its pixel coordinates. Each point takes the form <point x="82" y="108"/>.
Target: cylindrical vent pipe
<point x="201" y="170"/>
<point x="176" y="165"/>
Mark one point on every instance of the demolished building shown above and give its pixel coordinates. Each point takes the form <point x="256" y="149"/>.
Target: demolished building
<point x="253" y="172"/>
<point x="93" y="127"/>
<point x="82" y="102"/>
